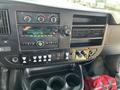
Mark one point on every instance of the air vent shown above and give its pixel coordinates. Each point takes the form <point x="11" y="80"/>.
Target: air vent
<point x="87" y="32"/>
<point x="4" y="23"/>
<point x="88" y="20"/>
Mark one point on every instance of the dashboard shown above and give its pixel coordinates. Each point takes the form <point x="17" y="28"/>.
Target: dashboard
<point x="36" y="35"/>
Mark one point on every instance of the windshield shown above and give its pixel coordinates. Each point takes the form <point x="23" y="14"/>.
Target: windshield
<point x="112" y="6"/>
<point x="102" y="4"/>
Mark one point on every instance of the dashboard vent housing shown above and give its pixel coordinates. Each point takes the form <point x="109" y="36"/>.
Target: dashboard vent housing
<point x="88" y="20"/>
<point x="88" y="30"/>
<point x="4" y="23"/>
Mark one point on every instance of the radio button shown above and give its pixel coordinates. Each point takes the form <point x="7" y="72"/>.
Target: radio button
<point x="40" y="43"/>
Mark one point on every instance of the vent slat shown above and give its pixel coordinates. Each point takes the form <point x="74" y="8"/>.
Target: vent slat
<point x="88" y="20"/>
<point x="4" y="23"/>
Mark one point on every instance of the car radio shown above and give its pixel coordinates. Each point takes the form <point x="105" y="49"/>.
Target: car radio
<point x="41" y="31"/>
<point x="38" y="37"/>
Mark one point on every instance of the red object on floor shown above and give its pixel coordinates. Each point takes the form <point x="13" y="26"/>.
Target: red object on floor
<point x="102" y="82"/>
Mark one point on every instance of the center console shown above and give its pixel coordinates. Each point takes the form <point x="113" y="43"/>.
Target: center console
<point x="42" y="33"/>
<point x="43" y="46"/>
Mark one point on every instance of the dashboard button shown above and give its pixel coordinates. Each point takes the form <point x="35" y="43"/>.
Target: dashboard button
<point x="24" y="58"/>
<point x="34" y="57"/>
<point x="40" y="57"/>
<point x="44" y="60"/>
<point x="67" y="58"/>
<point x="34" y="61"/>
<point x="24" y="62"/>
<point x="49" y="56"/>
<point x="44" y="56"/>
<point x="39" y="60"/>
<point x="67" y="53"/>
<point x="40" y="43"/>
<point x="49" y="60"/>
<point x="15" y="59"/>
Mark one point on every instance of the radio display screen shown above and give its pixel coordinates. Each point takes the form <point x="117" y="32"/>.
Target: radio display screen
<point x="37" y="31"/>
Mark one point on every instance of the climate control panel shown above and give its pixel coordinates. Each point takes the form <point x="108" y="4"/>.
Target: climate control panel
<point x="38" y="17"/>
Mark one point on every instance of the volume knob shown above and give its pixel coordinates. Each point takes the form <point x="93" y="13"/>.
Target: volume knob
<point x="67" y="30"/>
<point x="40" y="43"/>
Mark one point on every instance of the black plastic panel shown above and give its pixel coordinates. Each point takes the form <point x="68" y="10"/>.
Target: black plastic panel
<point x="17" y="45"/>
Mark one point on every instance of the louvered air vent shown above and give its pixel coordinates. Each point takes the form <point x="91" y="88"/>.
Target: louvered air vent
<point x="88" y="20"/>
<point x="4" y="23"/>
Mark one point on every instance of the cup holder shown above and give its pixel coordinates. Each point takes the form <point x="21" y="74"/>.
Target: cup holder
<point x="56" y="83"/>
<point x="39" y="85"/>
<point x="73" y="81"/>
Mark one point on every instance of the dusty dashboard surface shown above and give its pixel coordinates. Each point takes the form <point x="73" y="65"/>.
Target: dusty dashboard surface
<point x="36" y="35"/>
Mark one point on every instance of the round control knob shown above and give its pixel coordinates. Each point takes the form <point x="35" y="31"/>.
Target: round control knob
<point x="40" y="43"/>
<point x="68" y="32"/>
<point x="53" y="19"/>
<point x="41" y="19"/>
<point x="15" y="59"/>
<point x="27" y="19"/>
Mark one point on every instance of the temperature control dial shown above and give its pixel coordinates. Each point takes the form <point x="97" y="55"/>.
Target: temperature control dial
<point x="53" y="19"/>
<point x="28" y="19"/>
<point x="41" y="18"/>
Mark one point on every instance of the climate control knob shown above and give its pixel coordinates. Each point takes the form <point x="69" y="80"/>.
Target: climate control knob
<point x="40" y="43"/>
<point x="53" y="19"/>
<point x="41" y="19"/>
<point x="27" y="18"/>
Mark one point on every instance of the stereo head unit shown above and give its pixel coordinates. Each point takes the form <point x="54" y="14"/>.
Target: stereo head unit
<point x="39" y="37"/>
<point x="41" y="30"/>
